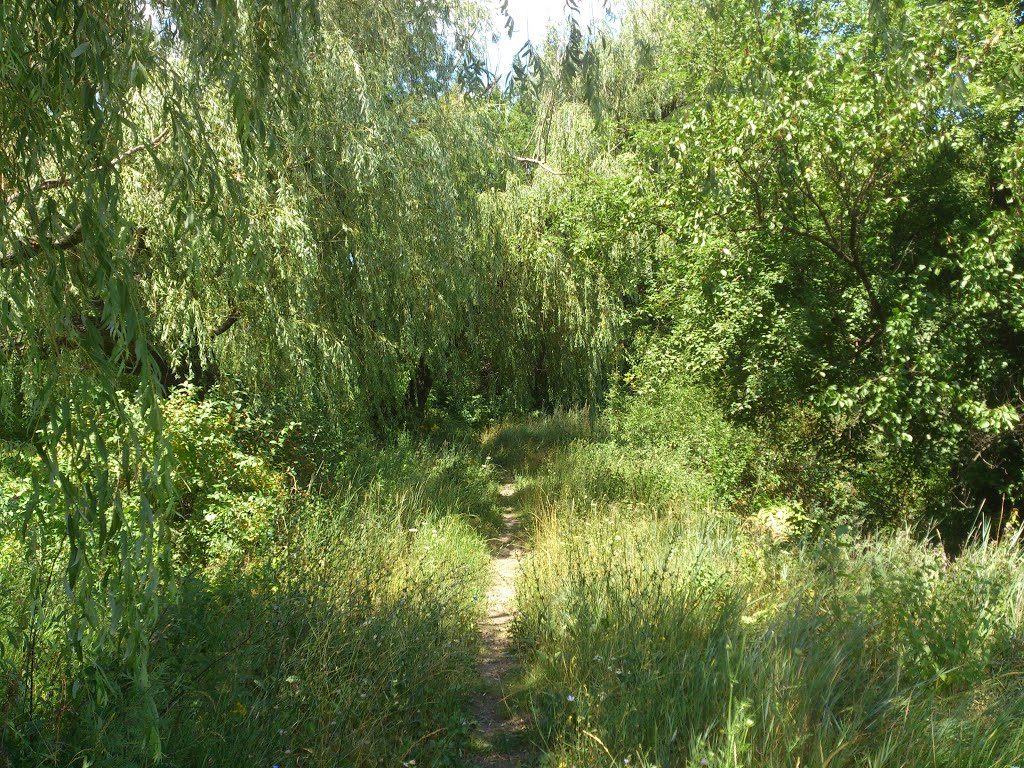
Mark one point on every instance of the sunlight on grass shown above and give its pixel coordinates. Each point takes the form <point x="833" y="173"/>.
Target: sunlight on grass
<point x="661" y="631"/>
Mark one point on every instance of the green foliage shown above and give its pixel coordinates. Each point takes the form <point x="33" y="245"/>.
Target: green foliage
<point x="309" y="628"/>
<point x="814" y="209"/>
<point x="685" y="420"/>
<point x="302" y="199"/>
<point x="523" y="446"/>
<point x="229" y="495"/>
<point x="683" y="636"/>
<point x="780" y="241"/>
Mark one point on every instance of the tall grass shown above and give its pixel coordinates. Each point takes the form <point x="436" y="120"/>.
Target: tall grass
<point x="659" y="628"/>
<point x="310" y="628"/>
<point x="664" y="620"/>
<point x="366" y="651"/>
<point x="524" y="446"/>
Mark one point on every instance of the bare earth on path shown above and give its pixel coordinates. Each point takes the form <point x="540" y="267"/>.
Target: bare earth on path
<point x="502" y="731"/>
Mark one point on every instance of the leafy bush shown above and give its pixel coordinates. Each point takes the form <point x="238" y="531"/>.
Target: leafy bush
<point x="229" y="496"/>
<point x="682" y="418"/>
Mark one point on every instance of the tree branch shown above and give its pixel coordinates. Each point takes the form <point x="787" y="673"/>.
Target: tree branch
<point x="74" y="237"/>
<point x="232" y="318"/>
<point x="827" y="244"/>
<point x="65" y="181"/>
<point x="539" y="164"/>
<point x="835" y="248"/>
<point x="69" y="241"/>
<point x="865" y="280"/>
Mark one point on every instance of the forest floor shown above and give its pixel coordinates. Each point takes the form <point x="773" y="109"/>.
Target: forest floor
<point x="503" y="732"/>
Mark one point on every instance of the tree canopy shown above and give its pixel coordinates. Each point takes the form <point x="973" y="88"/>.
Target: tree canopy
<point x="810" y="208"/>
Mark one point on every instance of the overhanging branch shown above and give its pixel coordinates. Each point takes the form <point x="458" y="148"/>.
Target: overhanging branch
<point x="74" y="237"/>
<point x="117" y="162"/>
<point x="69" y="241"/>
<point x="539" y="163"/>
<point x="228" y="323"/>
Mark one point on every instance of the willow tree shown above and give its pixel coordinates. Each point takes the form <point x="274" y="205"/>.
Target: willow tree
<point x="283" y="195"/>
<point x="279" y="193"/>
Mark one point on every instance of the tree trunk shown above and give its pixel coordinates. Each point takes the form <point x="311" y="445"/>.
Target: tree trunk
<point x="418" y="391"/>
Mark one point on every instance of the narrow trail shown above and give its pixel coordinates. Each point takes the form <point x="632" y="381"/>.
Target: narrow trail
<point x="504" y="733"/>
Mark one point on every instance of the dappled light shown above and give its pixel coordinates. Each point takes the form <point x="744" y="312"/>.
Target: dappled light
<point x="373" y="394"/>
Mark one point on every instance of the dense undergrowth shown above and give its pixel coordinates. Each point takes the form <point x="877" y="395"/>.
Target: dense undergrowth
<point x="661" y="626"/>
<point x="678" y="607"/>
<point x="262" y="261"/>
<point x="326" y="624"/>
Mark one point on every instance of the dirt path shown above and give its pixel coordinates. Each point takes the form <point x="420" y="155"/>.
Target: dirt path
<point x="503" y="733"/>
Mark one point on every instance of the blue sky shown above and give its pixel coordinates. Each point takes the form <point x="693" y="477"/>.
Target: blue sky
<point x="532" y="17"/>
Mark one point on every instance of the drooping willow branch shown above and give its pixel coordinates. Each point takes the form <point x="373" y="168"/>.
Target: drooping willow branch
<point x="74" y="237"/>
<point x="65" y="181"/>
